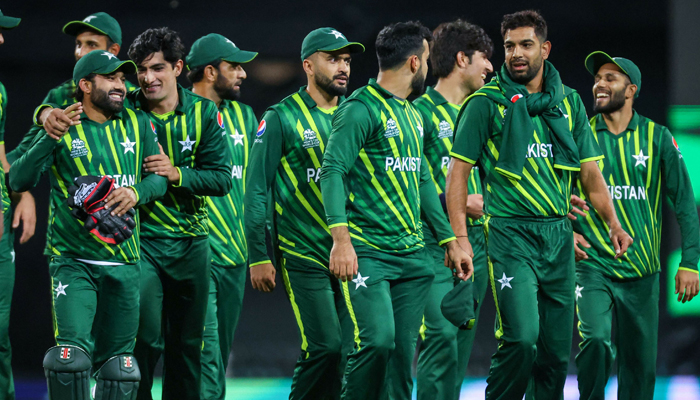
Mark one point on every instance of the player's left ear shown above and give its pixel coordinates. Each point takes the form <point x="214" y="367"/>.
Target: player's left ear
<point x="179" y="64"/>
<point x="114" y="49"/>
<point x="546" y="48"/>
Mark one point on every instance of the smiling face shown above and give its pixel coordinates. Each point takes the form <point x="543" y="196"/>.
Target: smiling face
<point x="107" y="92"/>
<point x="611" y="90"/>
<point x="477" y="71"/>
<point x="525" y="54"/>
<point x="158" y="78"/>
<point x="332" y="71"/>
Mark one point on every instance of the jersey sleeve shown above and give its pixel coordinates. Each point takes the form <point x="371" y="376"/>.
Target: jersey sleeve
<point x="27" y="170"/>
<point x="212" y="175"/>
<point x="431" y="209"/>
<point x="252" y="127"/>
<point x="265" y="157"/>
<point x="588" y="149"/>
<point x="680" y="191"/>
<point x="152" y="186"/>
<point x="352" y="125"/>
<point x="473" y="130"/>
<point x="3" y="112"/>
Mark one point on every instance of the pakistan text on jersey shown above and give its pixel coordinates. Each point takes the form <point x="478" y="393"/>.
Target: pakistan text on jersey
<point x="537" y="150"/>
<point x="628" y="192"/>
<point x="237" y="172"/>
<point x="403" y="164"/>
<point x="123" y="180"/>
<point x="313" y="174"/>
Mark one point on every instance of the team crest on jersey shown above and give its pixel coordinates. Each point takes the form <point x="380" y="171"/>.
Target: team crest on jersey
<point x="444" y="130"/>
<point x="220" y="120"/>
<point x="310" y="139"/>
<point x="78" y="148"/>
<point x="392" y="130"/>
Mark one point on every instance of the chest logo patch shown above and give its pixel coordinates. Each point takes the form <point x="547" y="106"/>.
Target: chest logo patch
<point x="392" y="130"/>
<point x="310" y="139"/>
<point x="78" y="148"/>
<point x="444" y="130"/>
<point x="641" y="159"/>
<point x="238" y="138"/>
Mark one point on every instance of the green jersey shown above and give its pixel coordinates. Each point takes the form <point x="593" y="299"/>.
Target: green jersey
<point x="115" y="148"/>
<point x="193" y="137"/>
<point x="227" y="238"/>
<point x="3" y="118"/>
<point x="543" y="191"/>
<point x="374" y="179"/>
<point x="636" y="162"/>
<point x="439" y="117"/>
<point x="60" y="96"/>
<point x="286" y="162"/>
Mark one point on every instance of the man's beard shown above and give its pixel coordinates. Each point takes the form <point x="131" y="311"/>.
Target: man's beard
<point x="616" y="102"/>
<point x="529" y="74"/>
<point x="101" y="100"/>
<point x="326" y="84"/>
<point x="225" y="90"/>
<point x="418" y="83"/>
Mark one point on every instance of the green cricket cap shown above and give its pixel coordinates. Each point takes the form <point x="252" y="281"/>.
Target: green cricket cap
<point x="597" y="59"/>
<point x="327" y="39"/>
<point x="102" y="63"/>
<point x="214" y="47"/>
<point x="100" y="22"/>
<point x="458" y="306"/>
<point x="7" y="22"/>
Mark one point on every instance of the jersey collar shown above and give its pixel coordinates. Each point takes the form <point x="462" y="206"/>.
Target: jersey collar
<point x="385" y="93"/>
<point x="600" y="124"/>
<point x="183" y="101"/>
<point x="118" y="115"/>
<point x="435" y="96"/>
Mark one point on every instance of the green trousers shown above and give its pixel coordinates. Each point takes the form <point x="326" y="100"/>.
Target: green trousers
<point x="7" y="283"/>
<point x="323" y="321"/>
<point x="95" y="307"/>
<point x="226" y="287"/>
<point x="386" y="302"/>
<point x="445" y="349"/>
<point x="636" y="305"/>
<point x="533" y="278"/>
<point x="174" y="294"/>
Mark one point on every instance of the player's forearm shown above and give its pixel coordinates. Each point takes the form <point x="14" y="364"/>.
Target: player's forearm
<point x="432" y="213"/>
<point x="596" y="190"/>
<point x="24" y="145"/>
<point x="151" y="187"/>
<point x="207" y="182"/>
<point x="254" y="217"/>
<point x="456" y="195"/>
<point x="26" y="171"/>
<point x="687" y="217"/>
<point x="334" y="198"/>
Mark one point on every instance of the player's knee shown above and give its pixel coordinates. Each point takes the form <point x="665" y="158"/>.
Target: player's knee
<point x="67" y="370"/>
<point x="382" y="345"/>
<point x="597" y="342"/>
<point x="446" y="334"/>
<point x="118" y="379"/>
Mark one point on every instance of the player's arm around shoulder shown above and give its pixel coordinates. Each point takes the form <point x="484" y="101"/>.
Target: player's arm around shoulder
<point x="152" y="186"/>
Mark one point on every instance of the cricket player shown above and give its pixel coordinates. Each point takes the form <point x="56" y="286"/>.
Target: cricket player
<point x="216" y="72"/>
<point x="530" y="135"/>
<point x="7" y="253"/>
<point x="375" y="185"/>
<point x="175" y="268"/>
<point x="94" y="274"/>
<point x="460" y="59"/>
<point x="286" y="161"/>
<point x="639" y="155"/>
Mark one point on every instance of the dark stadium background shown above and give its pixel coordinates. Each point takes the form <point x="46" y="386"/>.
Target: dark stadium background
<point x="37" y="57"/>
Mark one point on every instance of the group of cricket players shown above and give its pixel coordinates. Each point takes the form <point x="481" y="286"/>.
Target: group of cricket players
<point x="376" y="208"/>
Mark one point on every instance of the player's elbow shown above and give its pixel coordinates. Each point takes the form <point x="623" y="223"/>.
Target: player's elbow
<point x="224" y="184"/>
<point x="17" y="182"/>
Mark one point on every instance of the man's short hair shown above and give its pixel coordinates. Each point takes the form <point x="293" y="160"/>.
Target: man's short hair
<point x="197" y="74"/>
<point x="79" y="95"/>
<point x="154" y="40"/>
<point x="527" y="18"/>
<point x="397" y="42"/>
<point x="453" y="37"/>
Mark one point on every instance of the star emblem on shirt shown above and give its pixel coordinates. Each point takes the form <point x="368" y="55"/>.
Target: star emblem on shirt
<point x="641" y="158"/>
<point x="337" y="34"/>
<point x="60" y="289"/>
<point x="238" y="138"/>
<point x="187" y="144"/>
<point x="505" y="281"/>
<point x="360" y="281"/>
<point x="128" y="146"/>
<point x="109" y="55"/>
<point x="578" y="291"/>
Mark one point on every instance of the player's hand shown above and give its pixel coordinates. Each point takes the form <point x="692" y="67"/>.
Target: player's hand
<point x="56" y="122"/>
<point x="579" y="207"/>
<point x="262" y="276"/>
<point x="160" y="164"/>
<point x="621" y="240"/>
<point x="475" y="206"/>
<point x="25" y="213"/>
<point x="580" y="254"/>
<point x="343" y="261"/>
<point x="459" y="260"/>
<point x="687" y="285"/>
<point x="122" y="199"/>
